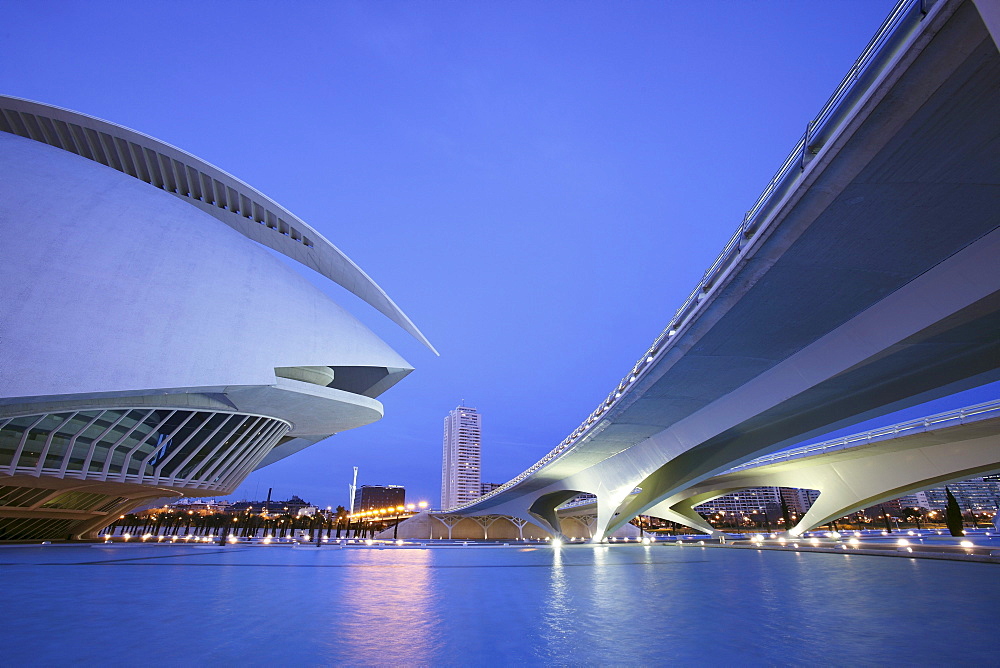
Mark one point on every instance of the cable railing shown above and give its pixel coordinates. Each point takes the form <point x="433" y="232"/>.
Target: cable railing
<point x="896" y="32"/>
<point x="984" y="411"/>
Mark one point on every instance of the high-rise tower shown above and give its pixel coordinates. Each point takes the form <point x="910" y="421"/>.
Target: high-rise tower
<point x="460" y="459"/>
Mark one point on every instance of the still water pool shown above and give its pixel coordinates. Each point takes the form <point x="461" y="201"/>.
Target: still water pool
<point x="163" y="605"/>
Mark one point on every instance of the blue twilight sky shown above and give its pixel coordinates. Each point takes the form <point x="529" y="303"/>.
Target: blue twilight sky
<point x="537" y="184"/>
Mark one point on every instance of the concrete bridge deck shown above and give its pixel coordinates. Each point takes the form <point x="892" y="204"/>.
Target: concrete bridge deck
<point x="864" y="280"/>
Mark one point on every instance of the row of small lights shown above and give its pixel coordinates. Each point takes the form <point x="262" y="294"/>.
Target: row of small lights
<point x="391" y="510"/>
<point x="757" y="539"/>
<point x="854" y="542"/>
<point x="267" y="540"/>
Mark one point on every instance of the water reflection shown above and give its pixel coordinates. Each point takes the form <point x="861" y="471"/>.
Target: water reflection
<point x="386" y="613"/>
<point x="557" y="609"/>
<point x="631" y="605"/>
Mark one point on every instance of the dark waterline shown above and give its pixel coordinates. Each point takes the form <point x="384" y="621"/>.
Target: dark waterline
<point x="626" y="605"/>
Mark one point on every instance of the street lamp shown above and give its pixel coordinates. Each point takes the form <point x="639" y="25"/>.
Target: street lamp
<point x="395" y="527"/>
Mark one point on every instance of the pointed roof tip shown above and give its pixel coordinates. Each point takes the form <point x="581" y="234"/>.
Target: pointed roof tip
<point x="242" y="207"/>
<point x="404" y="322"/>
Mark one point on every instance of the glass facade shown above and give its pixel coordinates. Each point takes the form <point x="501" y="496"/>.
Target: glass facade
<point x="184" y="448"/>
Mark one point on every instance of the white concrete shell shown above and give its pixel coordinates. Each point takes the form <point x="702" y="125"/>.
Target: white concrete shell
<point x="200" y="184"/>
<point x="127" y="315"/>
<point x="120" y="286"/>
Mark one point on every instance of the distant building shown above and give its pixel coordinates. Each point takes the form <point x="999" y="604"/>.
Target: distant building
<point x="746" y="502"/>
<point x="799" y="501"/>
<point x="487" y="487"/>
<point x="758" y="501"/>
<point x="978" y="494"/>
<point x="374" y="497"/>
<point x="460" y="459"/>
<point x="197" y="506"/>
<point x="293" y="506"/>
<point x="974" y="493"/>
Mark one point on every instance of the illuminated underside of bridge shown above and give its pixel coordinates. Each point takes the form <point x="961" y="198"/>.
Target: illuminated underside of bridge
<point x="862" y="470"/>
<point x="864" y="280"/>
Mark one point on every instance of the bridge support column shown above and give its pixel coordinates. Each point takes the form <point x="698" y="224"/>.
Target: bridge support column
<point x="683" y="513"/>
<point x="608" y="516"/>
<point x="544" y="510"/>
<point x="449" y="521"/>
<point x="590" y="521"/>
<point x="848" y="486"/>
<point x="486" y="521"/>
<point x="519" y="522"/>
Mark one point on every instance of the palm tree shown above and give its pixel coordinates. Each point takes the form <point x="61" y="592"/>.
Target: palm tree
<point x="341" y="518"/>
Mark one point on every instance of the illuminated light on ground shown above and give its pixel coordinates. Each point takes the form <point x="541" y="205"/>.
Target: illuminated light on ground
<point x="814" y="541"/>
<point x="902" y="542"/>
<point x="967" y="543"/>
<point x="369" y="541"/>
<point x="855" y="542"/>
<point x="557" y="543"/>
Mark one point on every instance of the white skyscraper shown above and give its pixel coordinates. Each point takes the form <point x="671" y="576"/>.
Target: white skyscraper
<point x="460" y="459"/>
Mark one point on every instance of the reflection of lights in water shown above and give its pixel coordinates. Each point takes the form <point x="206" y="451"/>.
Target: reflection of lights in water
<point x="386" y="595"/>
<point x="558" y="618"/>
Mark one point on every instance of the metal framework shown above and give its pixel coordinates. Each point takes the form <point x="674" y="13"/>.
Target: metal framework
<point x="164" y="447"/>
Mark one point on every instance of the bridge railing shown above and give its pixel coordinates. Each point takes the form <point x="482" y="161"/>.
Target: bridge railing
<point x="983" y="411"/>
<point x="897" y="30"/>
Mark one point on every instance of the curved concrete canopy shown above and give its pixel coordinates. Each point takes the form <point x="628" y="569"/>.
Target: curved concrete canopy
<point x="201" y="184"/>
<point x="120" y="288"/>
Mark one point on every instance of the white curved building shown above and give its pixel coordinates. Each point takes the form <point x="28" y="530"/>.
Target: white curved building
<point x="149" y="346"/>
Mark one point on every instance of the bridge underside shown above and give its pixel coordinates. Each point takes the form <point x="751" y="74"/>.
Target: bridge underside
<point x="874" y="288"/>
<point x="856" y="478"/>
